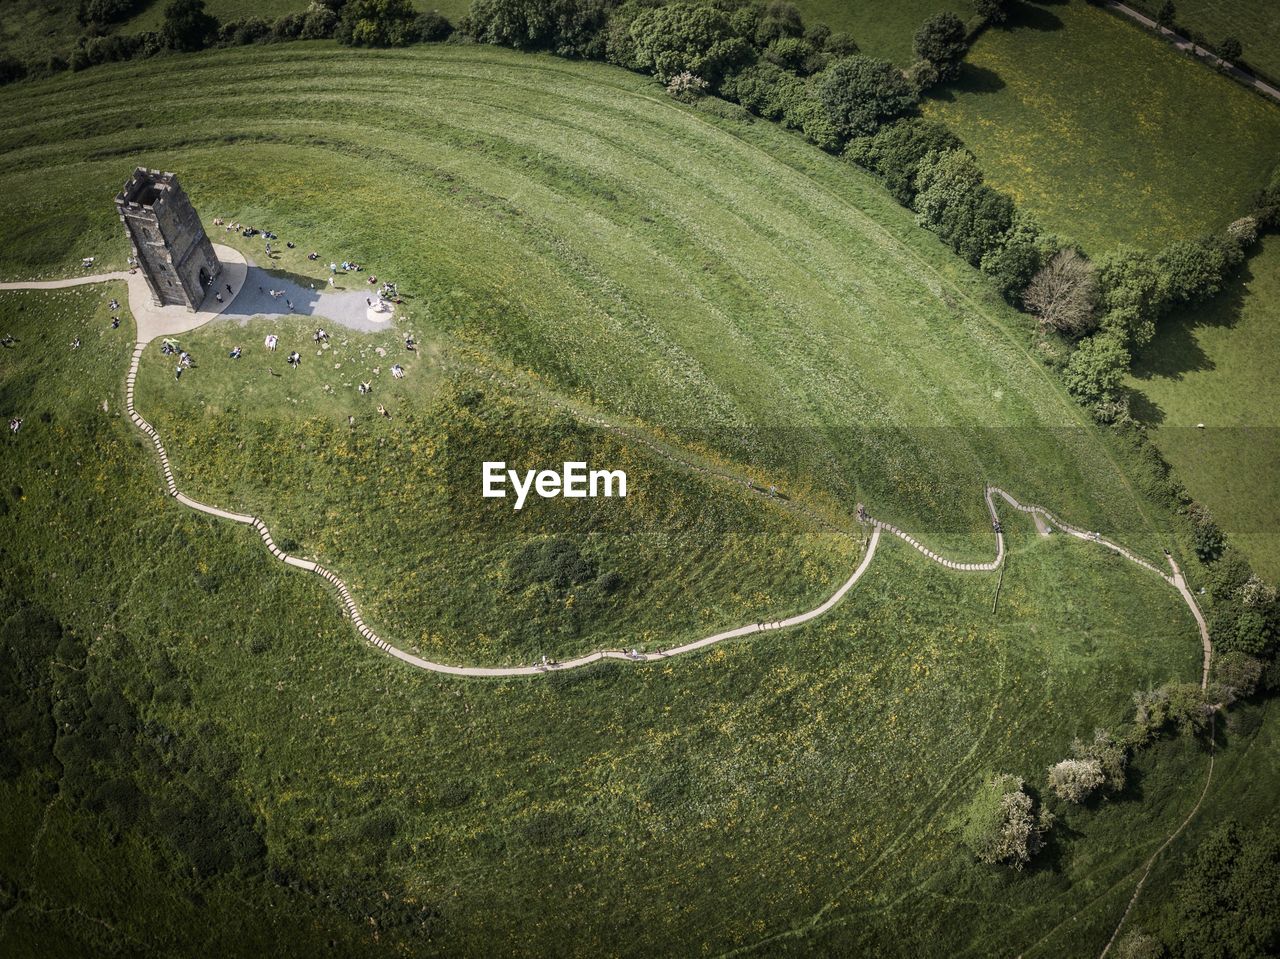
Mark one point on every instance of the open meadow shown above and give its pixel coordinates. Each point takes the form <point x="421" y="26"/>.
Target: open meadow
<point x="1106" y="133"/>
<point x="289" y="787"/>
<point x="1255" y="23"/>
<point x="589" y="268"/>
<point x="535" y="225"/>
<point x="1216" y="364"/>
<point x="880" y="29"/>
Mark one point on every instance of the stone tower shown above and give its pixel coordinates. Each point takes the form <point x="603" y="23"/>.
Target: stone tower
<point x="169" y="241"/>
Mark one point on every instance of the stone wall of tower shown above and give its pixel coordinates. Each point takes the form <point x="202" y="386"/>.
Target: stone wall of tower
<point x="172" y="249"/>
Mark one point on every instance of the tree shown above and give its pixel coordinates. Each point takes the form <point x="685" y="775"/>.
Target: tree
<point x="790" y="53"/>
<point x="1096" y="369"/>
<point x="765" y="90"/>
<point x="1134" y="291"/>
<point x="1231" y="49"/>
<point x="1110" y="754"/>
<point x="1064" y="293"/>
<point x="187" y="26"/>
<point x="1206" y="533"/>
<point x="687" y="36"/>
<point x="991" y="11"/>
<point x="377" y="23"/>
<point x="896" y="151"/>
<point x="99" y="12"/>
<point x="1196" y="268"/>
<point x="319" y="24"/>
<point x="1166" y="14"/>
<point x="860" y="94"/>
<point x="1235" y="676"/>
<point x="952" y="201"/>
<point x="1002" y="826"/>
<point x="1136" y="944"/>
<point x="687" y="88"/>
<point x="941" y="41"/>
<point x="1075" y="779"/>
<point x="1022" y="252"/>
<point x="1226" y="903"/>
<point x="571" y="28"/>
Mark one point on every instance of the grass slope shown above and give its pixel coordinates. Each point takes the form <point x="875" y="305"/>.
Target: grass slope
<point x="1255" y="23"/>
<point x="795" y="795"/>
<point x="779" y="312"/>
<point x="1216" y="364"/>
<point x="881" y="29"/>
<point x="34" y="29"/>
<point x="1108" y="134"/>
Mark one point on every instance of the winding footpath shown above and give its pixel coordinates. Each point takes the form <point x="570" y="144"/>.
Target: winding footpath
<point x="171" y="320"/>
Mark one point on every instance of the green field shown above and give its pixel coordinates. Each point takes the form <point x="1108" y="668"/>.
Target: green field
<point x="1108" y="134"/>
<point x="34" y="29"/>
<point x="1216" y="364"/>
<point x="576" y="248"/>
<point x="784" y="795"/>
<point x="881" y="29"/>
<point x="865" y="364"/>
<point x="1255" y="23"/>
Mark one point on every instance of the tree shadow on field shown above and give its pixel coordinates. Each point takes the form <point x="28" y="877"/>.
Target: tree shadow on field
<point x="1027" y="16"/>
<point x="1144" y="409"/>
<point x="972" y="79"/>
<point x="1174" y="351"/>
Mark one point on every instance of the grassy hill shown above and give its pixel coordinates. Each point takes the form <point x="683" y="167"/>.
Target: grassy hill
<point x="272" y="784"/>
<point x="712" y="282"/>
<point x="576" y="248"/>
<point x="1216" y="364"/>
<point x="1107" y="134"/>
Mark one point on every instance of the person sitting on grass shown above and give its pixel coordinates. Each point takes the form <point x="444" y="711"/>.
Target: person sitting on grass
<point x="397" y="371"/>
<point x="295" y="359"/>
<point x="271" y="341"/>
<point x="15" y="424"/>
<point x="235" y="353"/>
<point x="366" y="387"/>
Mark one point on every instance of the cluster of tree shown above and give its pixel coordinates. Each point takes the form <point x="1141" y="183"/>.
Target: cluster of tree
<point x="188" y="26"/>
<point x="1003" y="825"/>
<point x="1225" y="902"/>
<point x="1107" y="310"/>
<point x="94" y="13"/>
<point x="1244" y="617"/>
<point x="1094" y="764"/>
